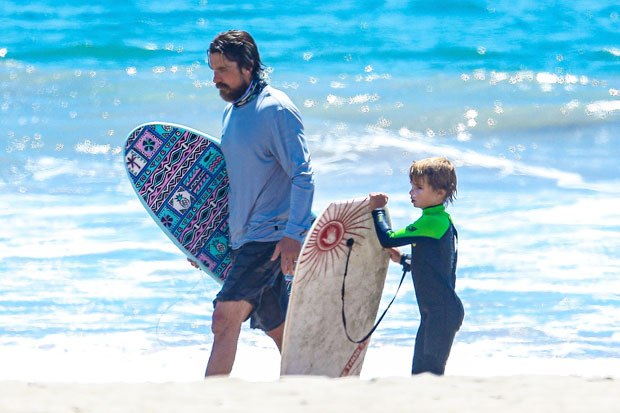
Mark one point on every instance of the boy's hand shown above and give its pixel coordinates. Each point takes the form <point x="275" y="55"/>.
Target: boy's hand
<point x="377" y="200"/>
<point x="395" y="254"/>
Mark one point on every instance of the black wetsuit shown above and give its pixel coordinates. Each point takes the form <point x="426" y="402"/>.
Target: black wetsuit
<point x="433" y="265"/>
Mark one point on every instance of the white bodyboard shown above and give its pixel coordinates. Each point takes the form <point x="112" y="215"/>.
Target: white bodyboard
<point x="315" y="342"/>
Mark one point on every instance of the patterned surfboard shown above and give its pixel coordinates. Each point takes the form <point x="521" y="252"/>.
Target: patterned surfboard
<point x="180" y="176"/>
<point x="341" y="246"/>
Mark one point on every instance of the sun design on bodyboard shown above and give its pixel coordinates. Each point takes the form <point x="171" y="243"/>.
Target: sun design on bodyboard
<point x="327" y="243"/>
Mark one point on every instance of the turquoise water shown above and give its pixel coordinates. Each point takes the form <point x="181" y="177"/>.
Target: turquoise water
<point x="523" y="96"/>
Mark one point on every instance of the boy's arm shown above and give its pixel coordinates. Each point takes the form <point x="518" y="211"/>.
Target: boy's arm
<point x="387" y="237"/>
<point x="400" y="258"/>
<point x="390" y="239"/>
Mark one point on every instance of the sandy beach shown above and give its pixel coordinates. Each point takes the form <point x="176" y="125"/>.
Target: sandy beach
<point x="101" y="312"/>
<point x="317" y="394"/>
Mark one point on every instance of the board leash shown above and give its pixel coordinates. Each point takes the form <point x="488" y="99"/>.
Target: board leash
<point x="350" y="243"/>
<point x="174" y="303"/>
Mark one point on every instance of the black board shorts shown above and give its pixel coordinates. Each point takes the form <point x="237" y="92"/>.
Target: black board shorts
<point x="256" y="279"/>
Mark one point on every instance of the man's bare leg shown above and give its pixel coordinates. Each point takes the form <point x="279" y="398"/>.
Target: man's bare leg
<point x="276" y="334"/>
<point x="226" y="326"/>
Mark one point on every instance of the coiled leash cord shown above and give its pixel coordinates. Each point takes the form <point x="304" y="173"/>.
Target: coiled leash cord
<point x="350" y="243"/>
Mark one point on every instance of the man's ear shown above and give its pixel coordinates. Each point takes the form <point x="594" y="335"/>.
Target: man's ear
<point x="247" y="71"/>
<point x="246" y="74"/>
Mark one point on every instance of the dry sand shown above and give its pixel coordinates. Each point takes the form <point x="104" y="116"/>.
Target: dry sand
<point x="529" y="394"/>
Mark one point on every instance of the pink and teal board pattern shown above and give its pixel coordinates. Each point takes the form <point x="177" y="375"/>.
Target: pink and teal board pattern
<point x="180" y="176"/>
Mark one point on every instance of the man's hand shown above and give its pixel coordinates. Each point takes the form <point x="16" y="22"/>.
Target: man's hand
<point x="288" y="249"/>
<point x="378" y="200"/>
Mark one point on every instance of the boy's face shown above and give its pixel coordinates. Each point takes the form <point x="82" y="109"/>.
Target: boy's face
<point x="423" y="195"/>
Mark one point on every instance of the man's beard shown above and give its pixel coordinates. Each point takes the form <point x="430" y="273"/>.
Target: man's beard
<point x="230" y="95"/>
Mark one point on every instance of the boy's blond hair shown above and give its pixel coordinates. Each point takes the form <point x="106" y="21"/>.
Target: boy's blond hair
<point x="439" y="173"/>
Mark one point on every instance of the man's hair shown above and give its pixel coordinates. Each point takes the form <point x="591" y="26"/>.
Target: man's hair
<point x="239" y="46"/>
<point x="439" y="173"/>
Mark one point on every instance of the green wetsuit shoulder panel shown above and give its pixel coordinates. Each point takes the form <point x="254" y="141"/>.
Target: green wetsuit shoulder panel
<point x="433" y="223"/>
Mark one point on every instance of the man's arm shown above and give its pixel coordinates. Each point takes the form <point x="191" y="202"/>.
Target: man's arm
<point x="292" y="152"/>
<point x="294" y="157"/>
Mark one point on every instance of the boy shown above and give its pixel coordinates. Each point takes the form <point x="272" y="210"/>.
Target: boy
<point x="432" y="261"/>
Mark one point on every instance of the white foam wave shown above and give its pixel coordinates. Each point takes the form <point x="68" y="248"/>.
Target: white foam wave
<point x="52" y="227"/>
<point x="613" y="51"/>
<point x="135" y="357"/>
<point x="96" y="149"/>
<point x="603" y="108"/>
<point x="334" y="154"/>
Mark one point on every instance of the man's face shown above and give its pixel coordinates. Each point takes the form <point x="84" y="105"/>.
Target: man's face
<point x="231" y="81"/>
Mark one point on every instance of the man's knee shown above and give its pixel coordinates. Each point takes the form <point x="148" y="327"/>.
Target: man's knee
<point x="228" y="316"/>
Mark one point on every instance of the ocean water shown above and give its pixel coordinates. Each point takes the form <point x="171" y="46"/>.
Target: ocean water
<point x="523" y="96"/>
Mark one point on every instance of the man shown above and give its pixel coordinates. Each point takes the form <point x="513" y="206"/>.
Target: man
<point x="271" y="191"/>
